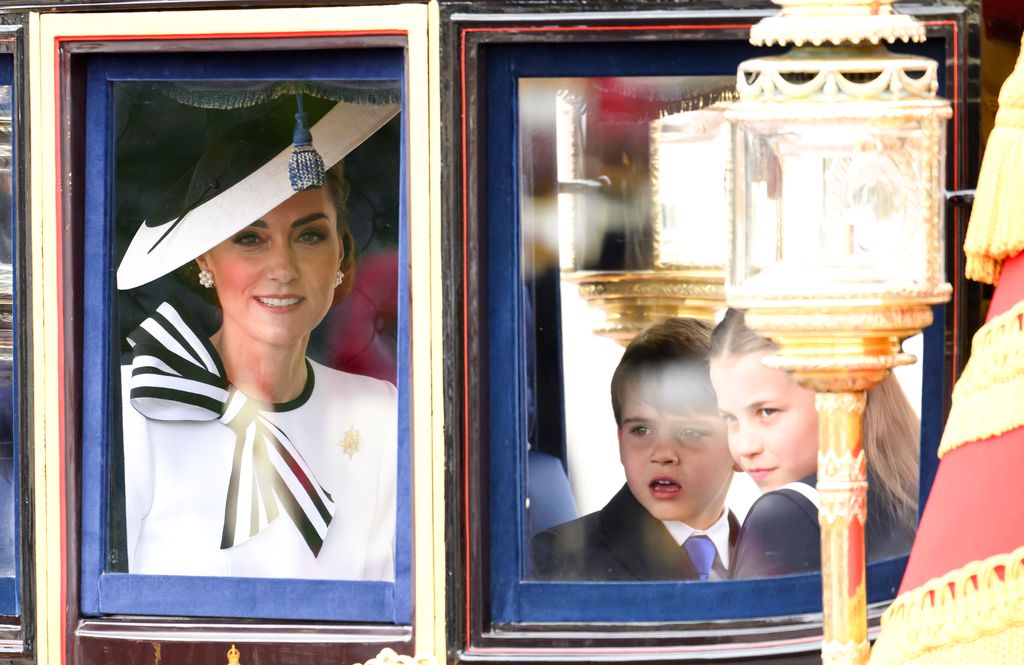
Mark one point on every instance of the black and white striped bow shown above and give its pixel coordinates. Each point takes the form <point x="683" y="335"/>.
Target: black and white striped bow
<point x="178" y="375"/>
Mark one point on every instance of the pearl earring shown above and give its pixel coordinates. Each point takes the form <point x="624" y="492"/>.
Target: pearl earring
<point x="338" y="277"/>
<point x="206" y="278"/>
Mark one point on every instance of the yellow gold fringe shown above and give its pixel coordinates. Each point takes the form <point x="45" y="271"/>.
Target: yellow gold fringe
<point x="974" y="614"/>
<point x="988" y="397"/>
<point x="995" y="232"/>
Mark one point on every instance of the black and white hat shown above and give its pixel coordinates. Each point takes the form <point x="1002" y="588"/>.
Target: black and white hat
<point x="250" y="177"/>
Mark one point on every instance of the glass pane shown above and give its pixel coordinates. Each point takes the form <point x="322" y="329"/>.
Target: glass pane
<point x="8" y="540"/>
<point x="625" y="201"/>
<point x="851" y="194"/>
<point x="626" y="178"/>
<point x="257" y="321"/>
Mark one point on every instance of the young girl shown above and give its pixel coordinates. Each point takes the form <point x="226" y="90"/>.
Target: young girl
<point x="773" y="436"/>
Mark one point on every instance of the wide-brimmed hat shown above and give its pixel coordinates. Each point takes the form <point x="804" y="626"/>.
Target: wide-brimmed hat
<point x="223" y="200"/>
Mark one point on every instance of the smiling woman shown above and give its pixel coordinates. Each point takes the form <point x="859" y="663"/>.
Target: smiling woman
<point x="275" y="281"/>
<point x="242" y="456"/>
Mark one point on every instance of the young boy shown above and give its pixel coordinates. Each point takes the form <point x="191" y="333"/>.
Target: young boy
<point x="669" y="521"/>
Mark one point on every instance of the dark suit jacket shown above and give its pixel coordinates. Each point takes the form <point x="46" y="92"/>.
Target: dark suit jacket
<point x="622" y="541"/>
<point x="780" y="535"/>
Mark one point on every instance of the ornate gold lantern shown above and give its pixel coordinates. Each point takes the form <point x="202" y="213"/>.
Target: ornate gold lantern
<point x="667" y="220"/>
<point x="837" y="250"/>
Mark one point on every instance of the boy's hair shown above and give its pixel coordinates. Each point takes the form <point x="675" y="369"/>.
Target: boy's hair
<point x="891" y="431"/>
<point x="666" y="365"/>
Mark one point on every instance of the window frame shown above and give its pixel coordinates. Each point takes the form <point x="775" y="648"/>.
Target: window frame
<point x="17" y="591"/>
<point x="502" y="613"/>
<point x="104" y="592"/>
<point x="60" y="42"/>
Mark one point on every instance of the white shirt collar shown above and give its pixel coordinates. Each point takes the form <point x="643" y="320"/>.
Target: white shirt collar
<point x="717" y="532"/>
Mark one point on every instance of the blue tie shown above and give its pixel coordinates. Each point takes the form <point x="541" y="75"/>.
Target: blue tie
<point x="702" y="555"/>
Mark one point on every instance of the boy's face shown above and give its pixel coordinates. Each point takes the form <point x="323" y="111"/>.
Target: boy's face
<point x="677" y="464"/>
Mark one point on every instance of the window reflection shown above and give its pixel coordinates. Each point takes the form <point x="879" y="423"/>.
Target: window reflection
<point x="7" y="464"/>
<point x="627" y="179"/>
<point x="260" y="482"/>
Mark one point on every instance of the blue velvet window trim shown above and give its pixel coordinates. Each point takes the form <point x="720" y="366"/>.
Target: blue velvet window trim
<point x="514" y="598"/>
<point x="10" y="548"/>
<point x="8" y="596"/>
<point x="122" y="593"/>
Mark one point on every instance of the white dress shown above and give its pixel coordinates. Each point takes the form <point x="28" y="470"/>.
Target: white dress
<point x="177" y="474"/>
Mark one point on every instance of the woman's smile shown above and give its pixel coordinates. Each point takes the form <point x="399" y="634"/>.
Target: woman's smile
<point x="279" y="303"/>
<point x="275" y="278"/>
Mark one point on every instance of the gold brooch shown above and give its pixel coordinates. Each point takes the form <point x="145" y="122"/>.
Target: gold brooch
<point x="350" y="444"/>
<point x="234" y="656"/>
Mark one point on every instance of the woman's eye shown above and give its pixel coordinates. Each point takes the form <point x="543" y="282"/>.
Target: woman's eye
<point x="246" y="238"/>
<point x="765" y="412"/>
<point x="311" y="236"/>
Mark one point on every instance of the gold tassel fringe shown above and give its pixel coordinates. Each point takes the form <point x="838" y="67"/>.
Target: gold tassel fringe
<point x="988" y="397"/>
<point x="974" y="614"/>
<point x="996" y="231"/>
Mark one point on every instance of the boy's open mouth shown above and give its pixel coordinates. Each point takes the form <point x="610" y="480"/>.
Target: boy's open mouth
<point x="664" y="487"/>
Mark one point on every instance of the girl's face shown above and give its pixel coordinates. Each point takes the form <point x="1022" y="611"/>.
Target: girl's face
<point x="771" y="421"/>
<point x="275" y="277"/>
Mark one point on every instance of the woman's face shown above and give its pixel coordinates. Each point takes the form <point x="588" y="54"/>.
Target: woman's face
<point x="771" y="421"/>
<point x="275" y="277"/>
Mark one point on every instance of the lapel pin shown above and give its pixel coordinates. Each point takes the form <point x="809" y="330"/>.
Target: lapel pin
<point x="350" y="444"/>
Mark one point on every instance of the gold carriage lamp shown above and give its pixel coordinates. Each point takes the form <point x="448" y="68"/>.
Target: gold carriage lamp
<point x="837" y="250"/>
<point x="671" y="231"/>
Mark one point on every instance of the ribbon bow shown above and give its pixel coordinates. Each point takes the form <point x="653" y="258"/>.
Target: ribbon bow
<point x="178" y="375"/>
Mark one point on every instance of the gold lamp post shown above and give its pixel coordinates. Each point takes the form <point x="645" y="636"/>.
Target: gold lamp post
<point x="837" y="250"/>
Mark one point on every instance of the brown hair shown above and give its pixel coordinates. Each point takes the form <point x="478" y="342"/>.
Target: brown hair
<point x="666" y="365"/>
<point x="890" y="431"/>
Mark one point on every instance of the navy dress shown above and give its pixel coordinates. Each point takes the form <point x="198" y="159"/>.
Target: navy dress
<point x="620" y="542"/>
<point x="780" y="535"/>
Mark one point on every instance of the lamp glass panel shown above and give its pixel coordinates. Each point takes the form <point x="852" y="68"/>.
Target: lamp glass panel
<point x="850" y="202"/>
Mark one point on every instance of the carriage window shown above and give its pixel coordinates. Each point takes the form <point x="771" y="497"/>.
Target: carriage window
<point x="625" y="207"/>
<point x="618" y="221"/>
<point x="249" y="280"/>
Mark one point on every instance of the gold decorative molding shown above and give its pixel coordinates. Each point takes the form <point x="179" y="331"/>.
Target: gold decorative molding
<point x="632" y="301"/>
<point x="843" y="505"/>
<point x="842" y="464"/>
<point x="836" y="22"/>
<point x="842" y="476"/>
<point x="841" y="296"/>
<point x="854" y="653"/>
<point x="234" y="656"/>
<point x="390" y="657"/>
<point x="842" y="487"/>
<point x="843" y="402"/>
<point x="829" y="80"/>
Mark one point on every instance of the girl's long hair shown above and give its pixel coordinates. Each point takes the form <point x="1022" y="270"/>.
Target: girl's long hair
<point x="890" y="433"/>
